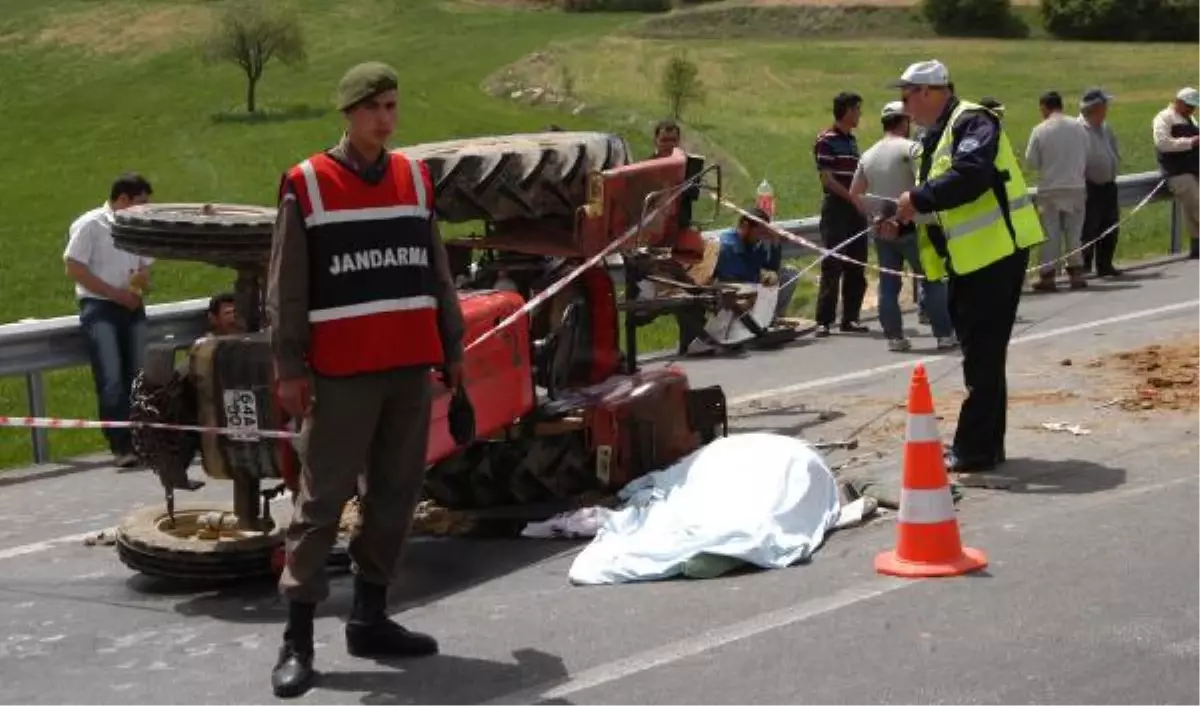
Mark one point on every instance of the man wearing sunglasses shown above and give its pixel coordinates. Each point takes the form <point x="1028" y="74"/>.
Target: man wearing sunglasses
<point x="970" y="180"/>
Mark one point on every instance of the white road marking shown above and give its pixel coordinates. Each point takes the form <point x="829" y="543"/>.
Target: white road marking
<point x="908" y="364"/>
<point x="709" y="640"/>
<point x="35" y="547"/>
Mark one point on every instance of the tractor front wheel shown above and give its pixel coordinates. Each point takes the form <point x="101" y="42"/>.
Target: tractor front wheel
<point x="203" y="544"/>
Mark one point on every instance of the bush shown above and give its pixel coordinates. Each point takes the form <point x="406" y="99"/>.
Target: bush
<point x="974" y="18"/>
<point x="1123" y="20"/>
<point x="617" y="5"/>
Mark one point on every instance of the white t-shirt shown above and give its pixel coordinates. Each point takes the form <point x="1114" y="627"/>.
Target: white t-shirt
<point x="90" y="242"/>
<point x="890" y="166"/>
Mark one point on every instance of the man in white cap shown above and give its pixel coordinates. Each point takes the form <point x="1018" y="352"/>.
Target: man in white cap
<point x="885" y="171"/>
<point x="1103" y="165"/>
<point x="1176" y="140"/>
<point x="970" y="180"/>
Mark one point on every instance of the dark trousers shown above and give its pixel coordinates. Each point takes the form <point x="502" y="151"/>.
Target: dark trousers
<point x="116" y="347"/>
<point x="983" y="307"/>
<point x="1103" y="212"/>
<point x="839" y="222"/>
<point x="379" y="423"/>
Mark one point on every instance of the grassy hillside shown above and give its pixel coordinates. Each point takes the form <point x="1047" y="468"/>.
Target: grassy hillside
<point x="92" y="89"/>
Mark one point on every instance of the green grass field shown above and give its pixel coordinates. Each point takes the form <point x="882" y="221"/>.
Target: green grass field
<point x="93" y="89"/>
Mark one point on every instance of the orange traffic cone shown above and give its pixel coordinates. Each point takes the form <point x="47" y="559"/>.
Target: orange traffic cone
<point x="927" y="541"/>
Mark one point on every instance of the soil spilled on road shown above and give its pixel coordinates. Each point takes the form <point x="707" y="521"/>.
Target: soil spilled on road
<point x="1161" y="376"/>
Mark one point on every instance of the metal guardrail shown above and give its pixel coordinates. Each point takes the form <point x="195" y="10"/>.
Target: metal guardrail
<point x="31" y="347"/>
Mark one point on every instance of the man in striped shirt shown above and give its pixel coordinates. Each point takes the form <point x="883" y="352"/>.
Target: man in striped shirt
<point x="836" y="153"/>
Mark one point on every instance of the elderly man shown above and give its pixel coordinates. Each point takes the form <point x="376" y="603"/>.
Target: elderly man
<point x="1176" y="140"/>
<point x="969" y="177"/>
<point x="1103" y="165"/>
<point x="1058" y="150"/>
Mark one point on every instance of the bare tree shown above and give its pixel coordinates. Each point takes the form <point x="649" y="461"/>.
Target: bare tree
<point x="250" y="34"/>
<point x="681" y="85"/>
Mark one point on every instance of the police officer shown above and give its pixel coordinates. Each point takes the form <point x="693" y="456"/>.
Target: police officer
<point x="362" y="308"/>
<point x="970" y="179"/>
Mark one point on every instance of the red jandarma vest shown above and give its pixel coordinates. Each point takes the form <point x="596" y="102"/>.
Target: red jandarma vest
<point x="371" y="280"/>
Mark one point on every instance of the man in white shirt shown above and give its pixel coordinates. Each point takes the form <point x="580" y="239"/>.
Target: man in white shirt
<point x="887" y="170"/>
<point x="1058" y="150"/>
<point x="1176" y="137"/>
<point x="109" y="284"/>
<point x="1103" y="165"/>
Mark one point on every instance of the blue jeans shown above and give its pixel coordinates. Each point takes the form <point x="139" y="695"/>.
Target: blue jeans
<point x="893" y="254"/>
<point x="117" y="345"/>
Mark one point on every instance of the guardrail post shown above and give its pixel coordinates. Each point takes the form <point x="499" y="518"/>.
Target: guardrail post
<point x="37" y="408"/>
<point x="1176" y="245"/>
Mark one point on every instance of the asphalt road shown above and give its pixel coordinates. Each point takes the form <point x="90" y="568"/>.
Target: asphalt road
<point x="1091" y="594"/>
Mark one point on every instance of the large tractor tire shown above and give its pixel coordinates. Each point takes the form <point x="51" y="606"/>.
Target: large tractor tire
<point x="518" y="473"/>
<point x="148" y="544"/>
<point x="517" y="177"/>
<point x="225" y="235"/>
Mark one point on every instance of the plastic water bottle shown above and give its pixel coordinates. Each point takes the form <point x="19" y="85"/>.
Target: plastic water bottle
<point x="766" y="198"/>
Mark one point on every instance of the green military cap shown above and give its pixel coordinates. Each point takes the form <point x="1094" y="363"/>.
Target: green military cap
<point x="363" y="82"/>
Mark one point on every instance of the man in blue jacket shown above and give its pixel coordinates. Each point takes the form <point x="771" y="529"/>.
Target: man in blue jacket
<point x="752" y="254"/>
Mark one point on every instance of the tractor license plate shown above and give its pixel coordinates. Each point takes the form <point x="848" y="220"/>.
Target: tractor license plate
<point x="241" y="413"/>
<point x="604" y="464"/>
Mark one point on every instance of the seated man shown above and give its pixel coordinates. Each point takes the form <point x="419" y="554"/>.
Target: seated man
<point x="752" y="254"/>
<point x="222" y="316"/>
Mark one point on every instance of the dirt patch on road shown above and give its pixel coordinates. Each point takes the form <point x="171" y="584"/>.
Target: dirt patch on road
<point x="1160" y="376"/>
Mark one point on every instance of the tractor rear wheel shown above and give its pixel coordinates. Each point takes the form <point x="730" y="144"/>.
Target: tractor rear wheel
<point x="517" y="177"/>
<point x="522" y="472"/>
<point x="199" y="548"/>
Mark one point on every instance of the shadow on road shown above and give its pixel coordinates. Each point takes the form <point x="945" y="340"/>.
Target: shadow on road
<point x="432" y="569"/>
<point x="1042" y="477"/>
<point x="446" y="679"/>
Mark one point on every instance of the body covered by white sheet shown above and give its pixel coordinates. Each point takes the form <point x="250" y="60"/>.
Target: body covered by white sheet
<point x="763" y="498"/>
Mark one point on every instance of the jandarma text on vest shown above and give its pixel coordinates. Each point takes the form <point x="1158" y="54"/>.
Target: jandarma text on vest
<point x="378" y="258"/>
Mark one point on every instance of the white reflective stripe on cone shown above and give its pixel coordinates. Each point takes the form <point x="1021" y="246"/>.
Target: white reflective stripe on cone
<point x="375" y="307"/>
<point x="379" y="213"/>
<point x="922" y="427"/>
<point x="926" y="507"/>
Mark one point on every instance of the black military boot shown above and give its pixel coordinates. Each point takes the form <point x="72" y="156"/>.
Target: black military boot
<point x="293" y="673"/>
<point x="370" y="633"/>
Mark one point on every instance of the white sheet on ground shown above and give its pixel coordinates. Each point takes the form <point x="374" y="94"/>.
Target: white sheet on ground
<point x="764" y="498"/>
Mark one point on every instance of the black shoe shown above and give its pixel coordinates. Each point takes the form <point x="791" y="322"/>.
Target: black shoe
<point x="822" y="332"/>
<point x="293" y="674"/>
<point x="370" y="633"/>
<point x="853" y="327"/>
<point x="956" y="464"/>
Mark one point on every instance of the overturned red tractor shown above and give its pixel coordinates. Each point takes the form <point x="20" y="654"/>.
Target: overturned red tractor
<point x="562" y="410"/>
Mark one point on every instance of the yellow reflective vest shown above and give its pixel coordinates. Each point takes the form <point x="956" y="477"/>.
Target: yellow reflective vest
<point x="976" y="233"/>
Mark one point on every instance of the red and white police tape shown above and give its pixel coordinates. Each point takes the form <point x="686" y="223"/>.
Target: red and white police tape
<point x="58" y="423"/>
<point x="826" y="252"/>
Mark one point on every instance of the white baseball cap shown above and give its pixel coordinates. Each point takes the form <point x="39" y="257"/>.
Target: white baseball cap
<point x="924" y="73"/>
<point x="893" y="108"/>
<point x="1190" y="96"/>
